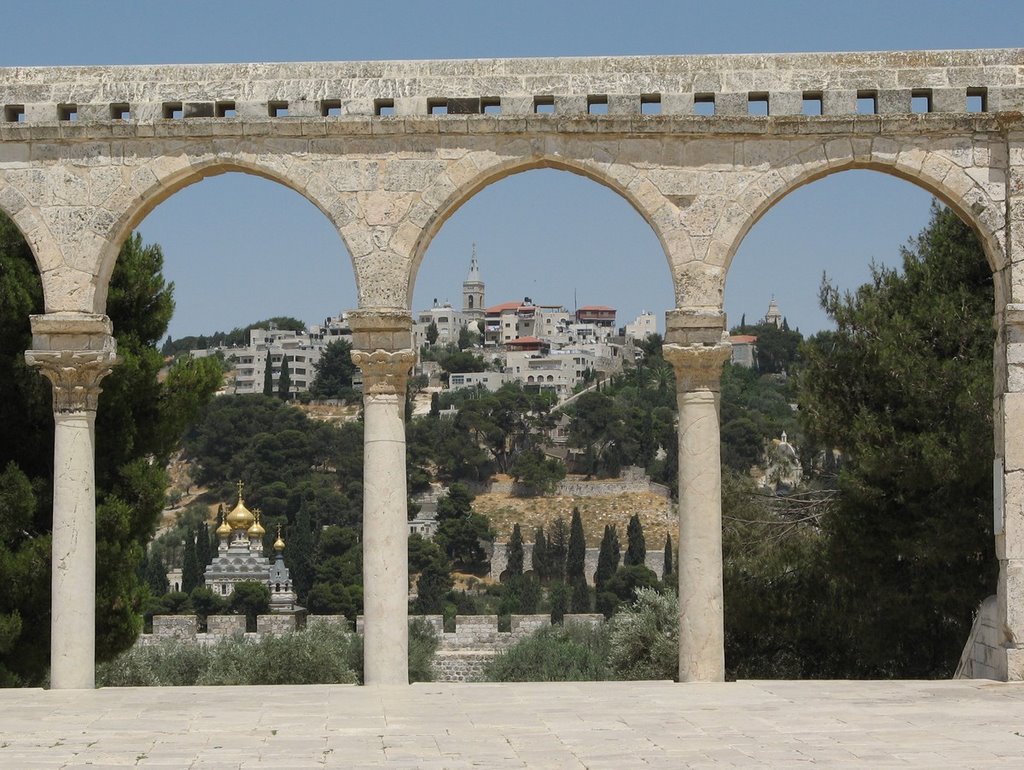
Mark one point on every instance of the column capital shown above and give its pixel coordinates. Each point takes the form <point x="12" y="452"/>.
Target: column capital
<point x="384" y="373"/>
<point x="698" y="367"/>
<point x="75" y="376"/>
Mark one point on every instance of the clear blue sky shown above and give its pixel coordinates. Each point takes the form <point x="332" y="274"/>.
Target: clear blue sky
<point x="240" y="248"/>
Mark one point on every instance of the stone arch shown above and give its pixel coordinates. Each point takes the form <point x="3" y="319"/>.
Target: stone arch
<point x="925" y="168"/>
<point x="48" y="257"/>
<point x="164" y="179"/>
<point x="454" y="196"/>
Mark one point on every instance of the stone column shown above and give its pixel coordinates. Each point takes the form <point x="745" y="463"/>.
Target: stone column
<point x="698" y="370"/>
<point x="1009" y="427"/>
<point x="385" y="510"/>
<point x="75" y="372"/>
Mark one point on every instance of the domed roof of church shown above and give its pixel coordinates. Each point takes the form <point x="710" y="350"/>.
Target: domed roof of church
<point x="240" y="517"/>
<point x="256" y="530"/>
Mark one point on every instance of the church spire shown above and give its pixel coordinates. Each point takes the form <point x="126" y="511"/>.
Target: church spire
<point x="474" y="268"/>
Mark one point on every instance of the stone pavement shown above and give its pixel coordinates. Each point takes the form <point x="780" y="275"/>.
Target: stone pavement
<point x="572" y="725"/>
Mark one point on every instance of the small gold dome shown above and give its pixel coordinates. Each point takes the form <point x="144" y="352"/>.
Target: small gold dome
<point x="256" y="531"/>
<point x="279" y="543"/>
<point x="241" y="517"/>
<point x="224" y="530"/>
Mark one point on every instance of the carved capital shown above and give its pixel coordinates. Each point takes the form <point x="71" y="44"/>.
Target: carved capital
<point x="698" y="367"/>
<point x="384" y="373"/>
<point x="75" y="376"/>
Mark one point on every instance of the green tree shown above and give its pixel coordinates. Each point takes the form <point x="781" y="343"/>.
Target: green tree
<point x="559" y="596"/>
<point x="203" y="554"/>
<point x="268" y="376"/>
<point x="666" y="571"/>
<point x="539" y="559"/>
<point x="607" y="557"/>
<point x="636" y="544"/>
<point x="156" y="575"/>
<point x="432" y="586"/>
<point x="300" y="553"/>
<point x="558" y="549"/>
<point x="576" y="554"/>
<point x="191" y="572"/>
<point x="284" y="381"/>
<point x="539" y="474"/>
<point x="903" y="388"/>
<point x="250" y="598"/>
<point x="432" y="334"/>
<point x="515" y="553"/>
<point x="465" y="338"/>
<point x="334" y="371"/>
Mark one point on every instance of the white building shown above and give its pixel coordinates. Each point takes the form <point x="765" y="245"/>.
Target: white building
<point x="643" y="327"/>
<point x="274" y="346"/>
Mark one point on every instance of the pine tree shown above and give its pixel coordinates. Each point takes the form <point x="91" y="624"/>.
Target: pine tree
<point x="284" y="382"/>
<point x="576" y="555"/>
<point x="540" y="556"/>
<point x="515" y="553"/>
<point x="268" y="376"/>
<point x="636" y="545"/>
<point x="191" y="574"/>
<point x="666" y="571"/>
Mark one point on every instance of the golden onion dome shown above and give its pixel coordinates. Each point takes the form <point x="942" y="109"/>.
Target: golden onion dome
<point x="256" y="531"/>
<point x="241" y="517"/>
<point x="224" y="529"/>
<point x="279" y="543"/>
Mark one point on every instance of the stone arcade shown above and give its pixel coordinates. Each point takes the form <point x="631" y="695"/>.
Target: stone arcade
<point x="389" y="150"/>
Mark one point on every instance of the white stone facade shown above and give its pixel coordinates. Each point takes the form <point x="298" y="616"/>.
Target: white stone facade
<point x="76" y="188"/>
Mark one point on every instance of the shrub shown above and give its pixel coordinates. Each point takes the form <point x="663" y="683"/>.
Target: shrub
<point x="570" y="653"/>
<point x="644" y="638"/>
<point x="423" y="644"/>
<point x="319" y="655"/>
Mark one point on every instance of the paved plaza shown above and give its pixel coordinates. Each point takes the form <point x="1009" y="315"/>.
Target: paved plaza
<point x="565" y="725"/>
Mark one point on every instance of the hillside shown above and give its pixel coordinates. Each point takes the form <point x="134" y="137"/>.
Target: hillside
<point x="656" y="514"/>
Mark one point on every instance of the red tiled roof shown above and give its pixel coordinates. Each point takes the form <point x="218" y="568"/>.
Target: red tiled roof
<point x="503" y="306"/>
<point x="596" y="307"/>
<point x="742" y="339"/>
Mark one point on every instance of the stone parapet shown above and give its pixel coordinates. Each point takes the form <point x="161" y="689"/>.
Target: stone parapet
<point x="225" y="625"/>
<point x="175" y="626"/>
<point x="200" y="97"/>
<point x="275" y="624"/>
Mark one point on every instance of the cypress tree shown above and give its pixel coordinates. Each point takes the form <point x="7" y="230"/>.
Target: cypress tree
<point x="156" y="575"/>
<point x="540" y="555"/>
<point x="607" y="561"/>
<point x="558" y="547"/>
<point x="666" y="572"/>
<point x="268" y="377"/>
<point x="576" y="554"/>
<point x="284" y="382"/>
<point x="203" y="547"/>
<point x="191" y="574"/>
<point x="515" y="553"/>
<point x="300" y="553"/>
<point x="636" y="546"/>
<point x="214" y="539"/>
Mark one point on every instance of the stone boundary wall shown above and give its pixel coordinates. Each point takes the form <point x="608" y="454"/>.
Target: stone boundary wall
<point x="630" y="480"/>
<point x="983" y="655"/>
<point x="461" y="655"/>
<point x="620" y="85"/>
